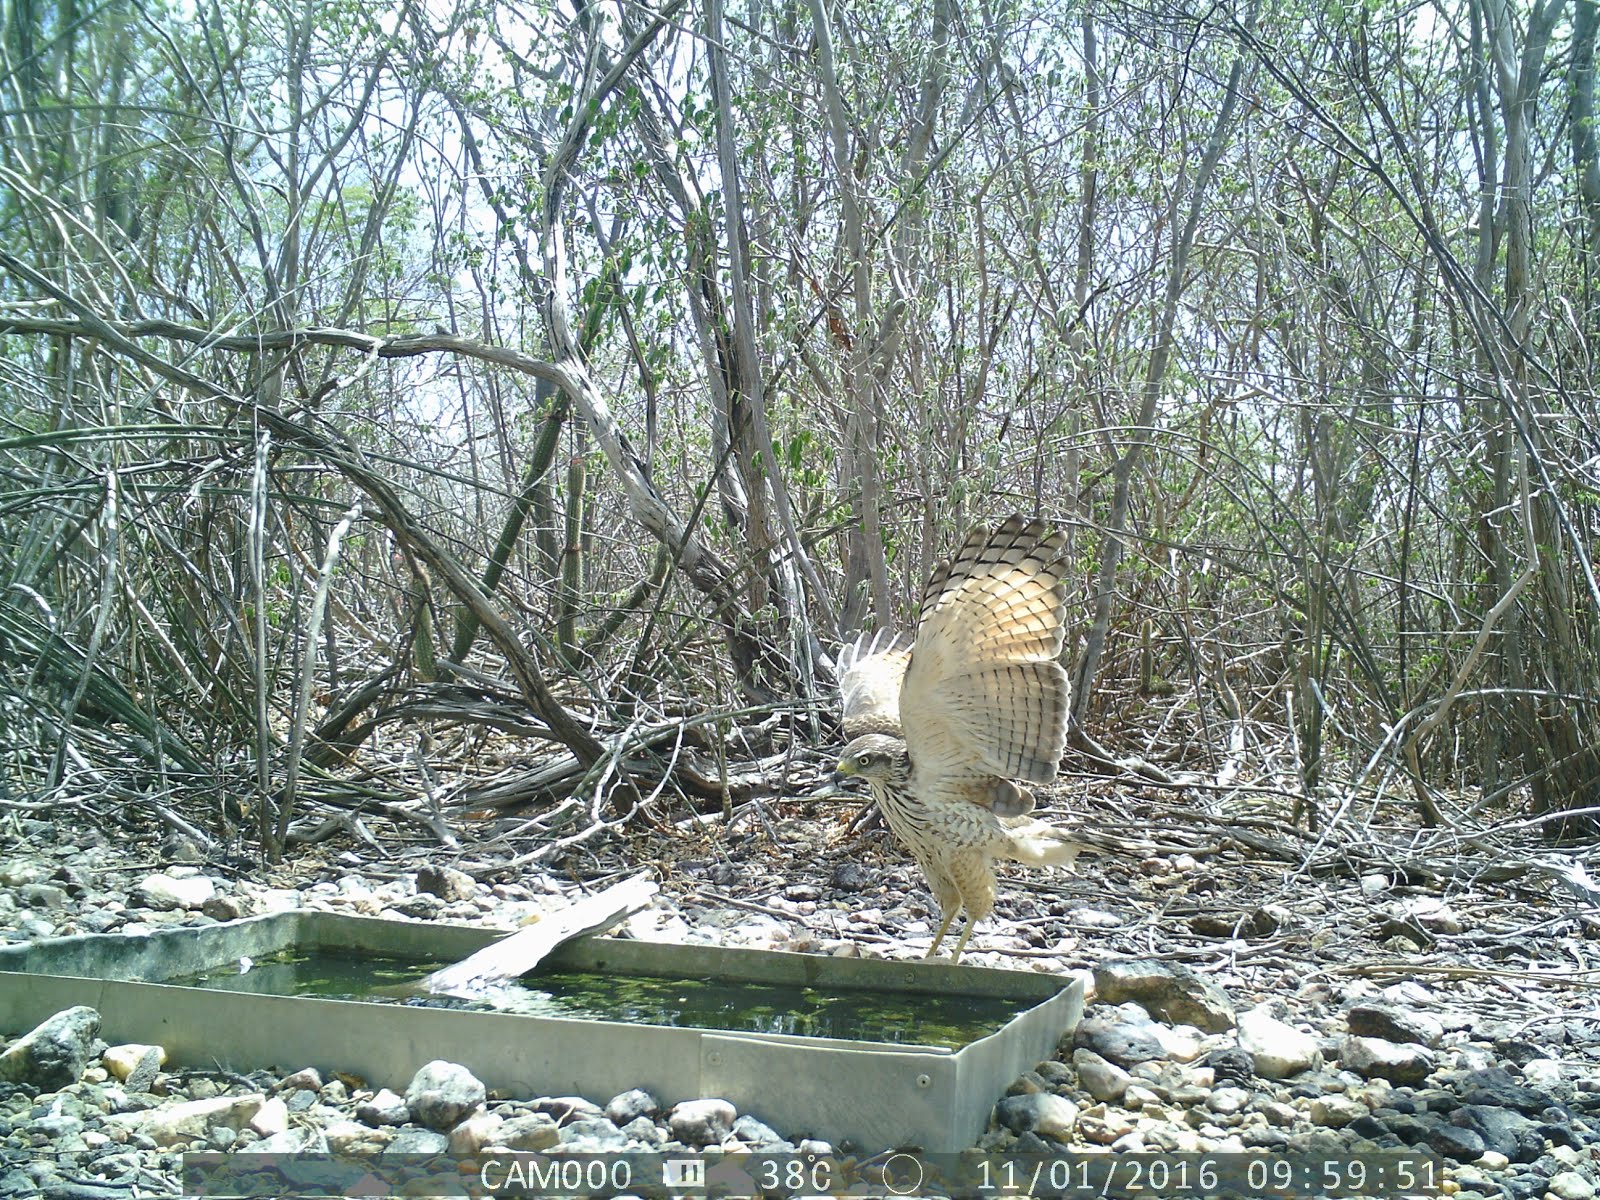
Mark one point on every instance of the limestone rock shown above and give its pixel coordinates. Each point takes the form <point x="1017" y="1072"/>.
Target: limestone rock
<point x="1277" y="1050"/>
<point x="1376" y="1058"/>
<point x="1394" y="1024"/>
<point x="442" y="1094"/>
<point x="701" y="1122"/>
<point x="1044" y="1113"/>
<point x="533" y="1132"/>
<point x="194" y="1120"/>
<point x="54" y="1053"/>
<point x="635" y="1102"/>
<point x="384" y="1108"/>
<point x="1170" y="991"/>
<point x="164" y="892"/>
<point x="122" y="1061"/>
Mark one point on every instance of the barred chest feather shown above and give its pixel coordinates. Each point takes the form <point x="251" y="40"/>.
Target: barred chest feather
<point x="937" y="830"/>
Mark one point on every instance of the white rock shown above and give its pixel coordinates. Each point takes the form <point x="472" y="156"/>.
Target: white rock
<point x="384" y="1108"/>
<point x="1279" y="1113"/>
<point x="1227" y="1100"/>
<point x="1541" y="1072"/>
<point x="1335" y="1112"/>
<point x="195" y="1119"/>
<point x="1103" y="1124"/>
<point x="1569" y="1185"/>
<point x="1276" y="1050"/>
<point x="165" y="892"/>
<point x="473" y="1134"/>
<point x="271" y="1118"/>
<point x="1101" y="1079"/>
<point x="702" y="1122"/>
<point x="1182" y="1043"/>
<point x="354" y="1138"/>
<point x="1140" y="1098"/>
<point x="121" y="1060"/>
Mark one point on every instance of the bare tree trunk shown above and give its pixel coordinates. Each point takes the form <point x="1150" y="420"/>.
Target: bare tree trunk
<point x="764" y="476"/>
<point x="1586" y="151"/>
<point x="1155" y="376"/>
<point x="866" y="568"/>
<point x="705" y="568"/>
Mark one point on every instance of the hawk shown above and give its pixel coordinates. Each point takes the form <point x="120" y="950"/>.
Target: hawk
<point x="942" y="728"/>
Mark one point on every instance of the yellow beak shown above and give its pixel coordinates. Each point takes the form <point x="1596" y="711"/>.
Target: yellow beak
<point x="846" y="766"/>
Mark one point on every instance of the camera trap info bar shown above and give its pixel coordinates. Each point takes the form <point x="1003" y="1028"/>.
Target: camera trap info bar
<point x="711" y="1174"/>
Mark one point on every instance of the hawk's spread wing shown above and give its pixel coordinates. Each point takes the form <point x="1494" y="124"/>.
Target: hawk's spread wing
<point x="870" y="671"/>
<point x="985" y="695"/>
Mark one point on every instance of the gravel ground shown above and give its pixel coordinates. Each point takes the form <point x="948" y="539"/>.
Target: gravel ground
<point x="1235" y="1006"/>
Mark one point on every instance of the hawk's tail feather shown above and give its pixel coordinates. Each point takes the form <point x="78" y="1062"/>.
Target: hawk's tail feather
<point x="1040" y="845"/>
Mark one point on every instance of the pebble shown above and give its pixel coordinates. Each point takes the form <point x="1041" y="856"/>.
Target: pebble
<point x="477" y="1131"/>
<point x="759" y="1136"/>
<point x="592" y="1135"/>
<point x="636" y="1102"/>
<point x="1336" y="1111"/>
<point x="1502" y="1130"/>
<point x="271" y="1118"/>
<point x="1103" y="1125"/>
<point x="1228" y="1100"/>
<point x="415" y="1140"/>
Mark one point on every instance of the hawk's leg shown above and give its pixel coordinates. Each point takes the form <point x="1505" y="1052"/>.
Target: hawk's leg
<point x="946" y="892"/>
<point x="961" y="945"/>
<point x="944" y="928"/>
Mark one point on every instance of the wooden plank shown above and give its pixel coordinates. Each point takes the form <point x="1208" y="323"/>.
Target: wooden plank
<point x="518" y="953"/>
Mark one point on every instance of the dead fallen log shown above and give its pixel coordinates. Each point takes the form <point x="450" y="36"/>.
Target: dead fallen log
<point x="518" y="953"/>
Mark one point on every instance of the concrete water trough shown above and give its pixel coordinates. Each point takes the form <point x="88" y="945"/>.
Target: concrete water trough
<point x="871" y="1094"/>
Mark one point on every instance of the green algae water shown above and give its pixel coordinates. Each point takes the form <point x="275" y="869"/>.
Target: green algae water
<point x="853" y="1014"/>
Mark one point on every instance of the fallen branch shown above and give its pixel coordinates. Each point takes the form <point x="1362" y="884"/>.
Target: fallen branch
<point x="522" y="951"/>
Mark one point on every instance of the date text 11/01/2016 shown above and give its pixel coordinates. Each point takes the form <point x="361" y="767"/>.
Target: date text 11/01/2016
<point x="711" y="1174"/>
<point x="1242" y="1175"/>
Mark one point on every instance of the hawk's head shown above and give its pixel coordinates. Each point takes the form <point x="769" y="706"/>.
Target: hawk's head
<point x="877" y="758"/>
